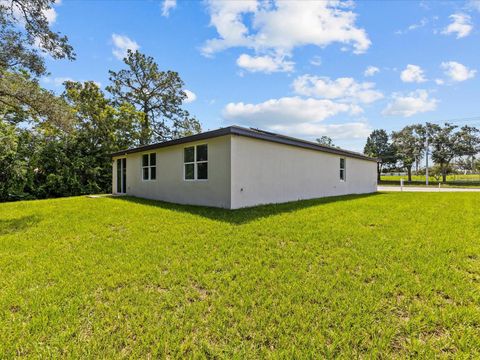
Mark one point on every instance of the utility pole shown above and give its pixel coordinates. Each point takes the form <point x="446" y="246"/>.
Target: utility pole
<point x="426" y="159"/>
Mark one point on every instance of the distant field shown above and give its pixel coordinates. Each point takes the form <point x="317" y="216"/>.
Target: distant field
<point x="377" y="276"/>
<point x="468" y="177"/>
<point x="452" y="180"/>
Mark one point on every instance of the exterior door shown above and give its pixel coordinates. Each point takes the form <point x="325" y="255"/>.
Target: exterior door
<point x="122" y="176"/>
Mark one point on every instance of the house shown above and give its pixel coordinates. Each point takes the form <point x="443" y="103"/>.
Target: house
<point x="235" y="167"/>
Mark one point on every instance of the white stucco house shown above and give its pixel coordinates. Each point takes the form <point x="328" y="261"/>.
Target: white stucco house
<point x="235" y="167"/>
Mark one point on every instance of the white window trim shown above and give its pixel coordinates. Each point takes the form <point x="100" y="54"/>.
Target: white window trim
<point x="344" y="170"/>
<point x="195" y="163"/>
<point x="149" y="167"/>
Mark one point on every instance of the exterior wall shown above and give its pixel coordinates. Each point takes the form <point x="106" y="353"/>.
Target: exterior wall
<point x="264" y="172"/>
<point x="170" y="185"/>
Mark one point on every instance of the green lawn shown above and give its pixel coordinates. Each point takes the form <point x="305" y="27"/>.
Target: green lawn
<point x="386" y="275"/>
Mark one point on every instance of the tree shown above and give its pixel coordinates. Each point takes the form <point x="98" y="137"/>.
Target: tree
<point x="22" y="99"/>
<point x="325" y="140"/>
<point x="409" y="144"/>
<point x="98" y="121"/>
<point x="10" y="171"/>
<point x="47" y="159"/>
<point x="25" y="33"/>
<point x="469" y="145"/>
<point x="157" y="94"/>
<point x="100" y="129"/>
<point x="445" y="146"/>
<point x="35" y="117"/>
<point x="379" y="146"/>
<point x="464" y="164"/>
<point x="420" y="134"/>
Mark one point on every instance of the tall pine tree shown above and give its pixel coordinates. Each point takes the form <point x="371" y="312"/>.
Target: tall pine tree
<point x="157" y="94"/>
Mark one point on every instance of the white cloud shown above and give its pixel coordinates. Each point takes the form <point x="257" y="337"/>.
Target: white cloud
<point x="266" y="64"/>
<point x="226" y="17"/>
<point x="167" y="6"/>
<point x="413" y="73"/>
<point x="474" y="4"/>
<point x="121" y="44"/>
<point x="286" y="110"/>
<point x="457" y="72"/>
<point x="316" y="61"/>
<point x="461" y="25"/>
<point x="422" y="23"/>
<point x="274" y="27"/>
<point x="298" y="117"/>
<point x="371" y="70"/>
<point x="51" y="15"/>
<point x="191" y="96"/>
<point x="439" y="81"/>
<point x="351" y="130"/>
<point x="342" y="88"/>
<point x="418" y="25"/>
<point x="56" y="81"/>
<point x="415" y="102"/>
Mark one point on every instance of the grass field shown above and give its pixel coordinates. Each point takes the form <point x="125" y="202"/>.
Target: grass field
<point x="385" y="275"/>
<point x="469" y="180"/>
<point x="456" y="177"/>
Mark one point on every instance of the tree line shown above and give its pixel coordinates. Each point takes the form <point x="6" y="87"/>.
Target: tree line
<point x="407" y="148"/>
<point x="60" y="145"/>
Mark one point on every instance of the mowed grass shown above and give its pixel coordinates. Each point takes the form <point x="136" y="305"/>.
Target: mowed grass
<point x="451" y="177"/>
<point x="469" y="180"/>
<point x="386" y="275"/>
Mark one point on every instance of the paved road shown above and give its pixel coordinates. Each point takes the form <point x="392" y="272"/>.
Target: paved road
<point x="426" y="189"/>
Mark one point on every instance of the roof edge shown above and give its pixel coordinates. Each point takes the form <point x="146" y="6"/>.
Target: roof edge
<point x="287" y="140"/>
<point x="248" y="132"/>
<point x="183" y="140"/>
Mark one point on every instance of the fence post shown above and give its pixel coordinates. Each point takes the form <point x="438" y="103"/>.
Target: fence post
<point x="401" y="184"/>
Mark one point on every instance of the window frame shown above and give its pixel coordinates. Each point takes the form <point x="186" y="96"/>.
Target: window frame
<point x="343" y="169"/>
<point x="195" y="163"/>
<point x="149" y="166"/>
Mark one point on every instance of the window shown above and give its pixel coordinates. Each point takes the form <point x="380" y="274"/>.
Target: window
<point x="343" y="170"/>
<point x="149" y="166"/>
<point x="195" y="162"/>
<point x="189" y="163"/>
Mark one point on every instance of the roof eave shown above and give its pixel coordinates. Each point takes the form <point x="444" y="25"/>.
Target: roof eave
<point x="241" y="131"/>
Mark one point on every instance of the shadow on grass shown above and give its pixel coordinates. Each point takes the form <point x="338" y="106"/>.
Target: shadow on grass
<point x="245" y="215"/>
<point x="10" y="226"/>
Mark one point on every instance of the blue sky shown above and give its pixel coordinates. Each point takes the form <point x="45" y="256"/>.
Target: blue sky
<point x="301" y="68"/>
